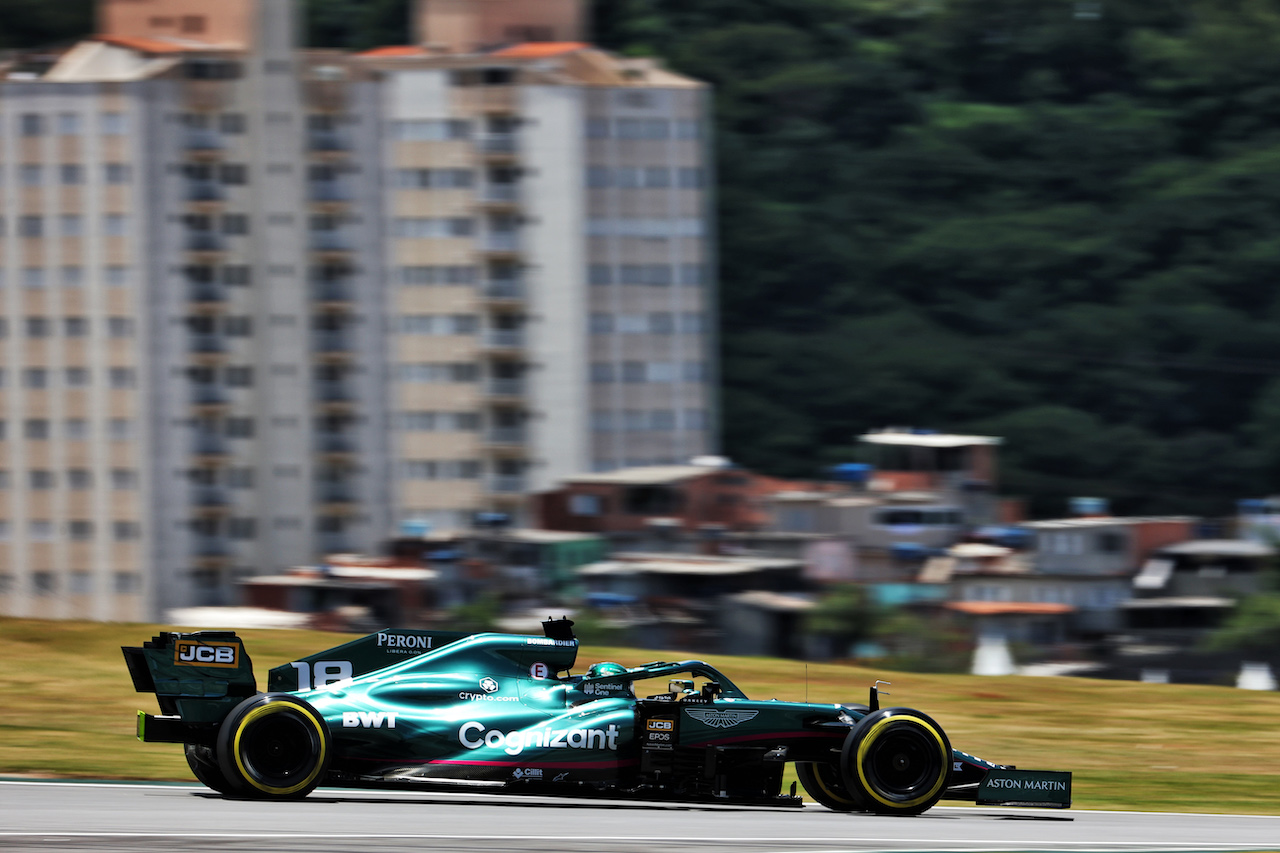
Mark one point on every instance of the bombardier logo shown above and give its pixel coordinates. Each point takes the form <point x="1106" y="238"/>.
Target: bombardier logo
<point x="196" y="653"/>
<point x="368" y="719"/>
<point x="721" y="718"/>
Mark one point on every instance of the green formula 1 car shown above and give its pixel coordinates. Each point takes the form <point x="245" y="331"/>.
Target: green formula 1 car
<point x="502" y="711"/>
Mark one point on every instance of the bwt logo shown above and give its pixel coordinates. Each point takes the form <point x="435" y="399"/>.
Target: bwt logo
<point x="192" y="653"/>
<point x="367" y="719"/>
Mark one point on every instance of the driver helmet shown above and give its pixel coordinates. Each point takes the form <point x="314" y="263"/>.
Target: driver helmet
<point x="599" y="670"/>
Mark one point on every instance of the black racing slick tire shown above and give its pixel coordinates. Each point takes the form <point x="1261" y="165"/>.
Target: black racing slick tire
<point x="822" y="782"/>
<point x="205" y="768"/>
<point x="274" y="746"/>
<point x="896" y="761"/>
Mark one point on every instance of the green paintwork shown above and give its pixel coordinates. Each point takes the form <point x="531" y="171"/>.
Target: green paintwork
<point x="434" y="705"/>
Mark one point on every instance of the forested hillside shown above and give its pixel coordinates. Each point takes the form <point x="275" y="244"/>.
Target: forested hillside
<point x="1050" y="220"/>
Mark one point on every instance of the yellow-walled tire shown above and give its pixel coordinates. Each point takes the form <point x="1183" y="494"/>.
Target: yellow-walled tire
<point x="274" y="746"/>
<point x="896" y="761"/>
<point x="822" y="782"/>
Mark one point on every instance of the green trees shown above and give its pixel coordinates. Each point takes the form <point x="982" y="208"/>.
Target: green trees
<point x="1050" y="220"/>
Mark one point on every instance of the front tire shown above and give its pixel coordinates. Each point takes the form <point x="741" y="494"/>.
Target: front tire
<point x="897" y="761"/>
<point x="822" y="782"/>
<point x="274" y="746"/>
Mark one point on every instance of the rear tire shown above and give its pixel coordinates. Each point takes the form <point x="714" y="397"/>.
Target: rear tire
<point x="822" y="782"/>
<point x="274" y="746"/>
<point x="897" y="761"/>
<point x="205" y="768"/>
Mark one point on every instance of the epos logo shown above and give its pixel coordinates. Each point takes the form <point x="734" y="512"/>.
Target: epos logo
<point x="194" y="653"/>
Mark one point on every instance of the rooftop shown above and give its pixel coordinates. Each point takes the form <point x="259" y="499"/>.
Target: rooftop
<point x="673" y="564"/>
<point x="1001" y="608"/>
<point x="1220" y="548"/>
<point x="650" y="475"/>
<point x="1105" y="521"/>
<point x="908" y="438"/>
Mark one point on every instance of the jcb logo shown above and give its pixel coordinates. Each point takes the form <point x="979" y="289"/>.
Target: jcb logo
<point x="660" y="725"/>
<point x="192" y="653"/>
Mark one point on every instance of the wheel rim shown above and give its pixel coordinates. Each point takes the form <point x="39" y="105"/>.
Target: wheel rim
<point x="279" y="749"/>
<point x="903" y="762"/>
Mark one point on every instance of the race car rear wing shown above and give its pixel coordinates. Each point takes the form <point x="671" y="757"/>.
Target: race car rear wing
<point x="197" y="679"/>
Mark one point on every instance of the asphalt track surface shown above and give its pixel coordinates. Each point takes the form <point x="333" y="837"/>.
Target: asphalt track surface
<point x="47" y="816"/>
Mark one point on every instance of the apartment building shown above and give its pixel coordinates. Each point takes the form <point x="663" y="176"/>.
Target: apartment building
<point x="262" y="304"/>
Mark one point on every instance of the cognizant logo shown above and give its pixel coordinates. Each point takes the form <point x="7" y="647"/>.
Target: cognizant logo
<point x="472" y="735"/>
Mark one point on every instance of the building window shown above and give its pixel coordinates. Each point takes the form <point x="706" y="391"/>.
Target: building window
<point x="30" y="226"/>
<point x="118" y="276"/>
<point x="600" y="274"/>
<point x="69" y="124"/>
<point x="120" y="327"/>
<point x="120" y="429"/>
<point x="124" y="479"/>
<point x="30" y="175"/>
<point x="35" y="377"/>
<point x="38" y="327"/>
<point x="81" y="583"/>
<point x="71" y="225"/>
<point x="40" y="531"/>
<point x="122" y="377"/>
<point x="76" y="429"/>
<point x="191" y="24"/>
<point x="71" y="174"/>
<point x="235" y="223"/>
<point x="33" y="277"/>
<point x="115" y="225"/>
<point x="114" y="124"/>
<point x="231" y="123"/>
<point x="123" y="531"/>
<point x="233" y="174"/>
<point x="32" y="124"/>
<point x="117" y="173"/>
<point x="42" y="479"/>
<point x="602" y="372"/>
<point x="72" y="276"/>
<point x="126" y="583"/>
<point x="240" y="427"/>
<point x="77" y="377"/>
<point x="44" y="583"/>
<point x="80" y="531"/>
<point x="237" y="275"/>
<point x="242" y="528"/>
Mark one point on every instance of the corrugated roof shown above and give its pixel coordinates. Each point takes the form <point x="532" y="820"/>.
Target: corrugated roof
<point x="675" y="564"/>
<point x="1000" y="608"/>
<point x="1103" y="521"/>
<point x="394" y="50"/>
<point x="776" y="601"/>
<point x="913" y="439"/>
<point x="1177" y="601"/>
<point x="1220" y="548"/>
<point x="644" y="476"/>
<point x="147" y="45"/>
<point x="540" y="49"/>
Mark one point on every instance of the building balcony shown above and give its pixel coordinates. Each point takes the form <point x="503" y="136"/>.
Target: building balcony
<point x="504" y="289"/>
<point x="335" y="444"/>
<point x="208" y="294"/>
<point x="210" y="549"/>
<point x="211" y="499"/>
<point x="506" y="436"/>
<point x="331" y="243"/>
<point x="499" y="146"/>
<point x="205" y="242"/>
<point x="501" y="243"/>
<point x="210" y="446"/>
<point x="500" y="195"/>
<point x="208" y="346"/>
<point x="334" y="292"/>
<point x="503" y="339"/>
<point x="335" y="495"/>
<point x="204" y="144"/>
<point x="206" y="193"/>
<point x="337" y="395"/>
<point x="334" y="344"/>
<point x="506" y="484"/>
<point x="335" y="543"/>
<point x="207" y="396"/>
<point x="329" y="194"/>
<point x="498" y="386"/>
<point x="327" y="144"/>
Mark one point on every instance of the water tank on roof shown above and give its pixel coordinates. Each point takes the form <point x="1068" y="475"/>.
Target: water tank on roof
<point x="851" y="472"/>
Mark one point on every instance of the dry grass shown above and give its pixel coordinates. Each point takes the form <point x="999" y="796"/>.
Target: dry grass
<point x="68" y="710"/>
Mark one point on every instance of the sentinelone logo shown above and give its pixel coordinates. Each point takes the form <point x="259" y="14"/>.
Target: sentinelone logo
<point x="196" y="653"/>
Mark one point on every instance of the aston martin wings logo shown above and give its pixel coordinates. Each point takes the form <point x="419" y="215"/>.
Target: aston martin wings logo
<point x="721" y="718"/>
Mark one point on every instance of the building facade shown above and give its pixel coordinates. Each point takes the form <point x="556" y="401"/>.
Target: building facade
<point x="262" y="304"/>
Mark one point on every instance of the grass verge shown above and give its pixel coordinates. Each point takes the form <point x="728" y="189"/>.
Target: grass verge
<point x="68" y="710"/>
